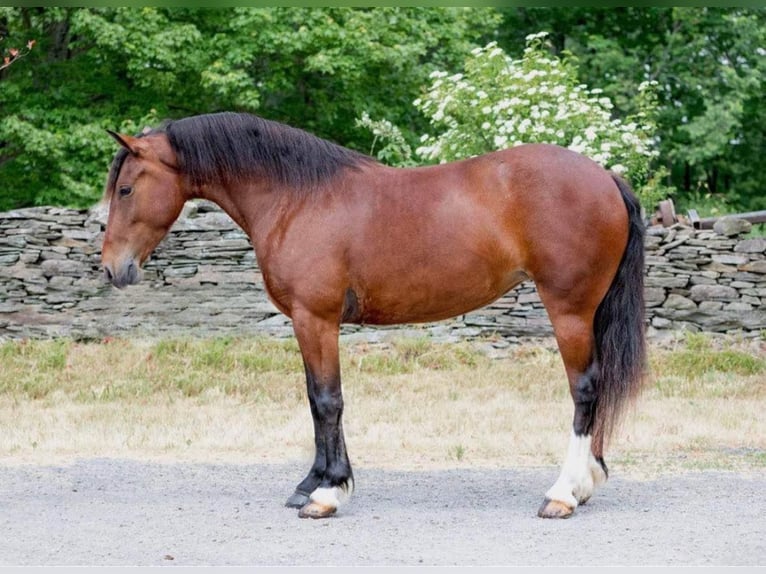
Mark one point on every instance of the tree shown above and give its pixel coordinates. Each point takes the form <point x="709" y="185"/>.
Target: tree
<point x="709" y="66"/>
<point x="123" y="68"/>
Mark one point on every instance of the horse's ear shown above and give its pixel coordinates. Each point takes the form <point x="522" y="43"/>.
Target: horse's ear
<point x="128" y="142"/>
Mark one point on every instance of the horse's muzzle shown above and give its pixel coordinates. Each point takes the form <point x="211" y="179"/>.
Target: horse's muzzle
<point x="126" y="274"/>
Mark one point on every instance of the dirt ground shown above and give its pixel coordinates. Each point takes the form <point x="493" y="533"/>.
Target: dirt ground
<point x="125" y="512"/>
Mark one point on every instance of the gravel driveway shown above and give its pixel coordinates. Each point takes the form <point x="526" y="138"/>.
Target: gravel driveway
<point x="123" y="512"/>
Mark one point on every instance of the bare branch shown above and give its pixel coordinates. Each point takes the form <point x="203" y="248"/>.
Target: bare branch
<point x="15" y="54"/>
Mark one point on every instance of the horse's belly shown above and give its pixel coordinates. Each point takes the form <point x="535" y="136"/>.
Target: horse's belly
<point x="415" y="300"/>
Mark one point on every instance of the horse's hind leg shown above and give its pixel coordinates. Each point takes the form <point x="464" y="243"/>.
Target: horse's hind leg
<point x="583" y="467"/>
<point x="330" y="481"/>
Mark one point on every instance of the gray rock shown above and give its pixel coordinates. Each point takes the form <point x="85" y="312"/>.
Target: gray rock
<point x="738" y="306"/>
<point x="731" y="226"/>
<point x="755" y="266"/>
<point x="669" y="281"/>
<point x="713" y="293"/>
<point x="757" y="245"/>
<point x="678" y="302"/>
<point x="730" y="259"/>
<point x="654" y="296"/>
<point x="8" y="258"/>
<point x="51" y="267"/>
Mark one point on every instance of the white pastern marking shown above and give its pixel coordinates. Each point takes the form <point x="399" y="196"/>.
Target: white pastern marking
<point x="333" y="497"/>
<point x="578" y="473"/>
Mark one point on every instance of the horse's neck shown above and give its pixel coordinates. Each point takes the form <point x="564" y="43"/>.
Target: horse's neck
<point x="247" y="205"/>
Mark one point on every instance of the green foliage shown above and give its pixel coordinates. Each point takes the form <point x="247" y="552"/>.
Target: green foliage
<point x="123" y="68"/>
<point x="322" y="68"/>
<point x="709" y="67"/>
<point x="396" y="150"/>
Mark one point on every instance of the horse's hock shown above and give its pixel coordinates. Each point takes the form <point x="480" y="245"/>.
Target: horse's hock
<point x="203" y="280"/>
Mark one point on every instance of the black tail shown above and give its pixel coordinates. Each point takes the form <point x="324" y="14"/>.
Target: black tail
<point x="620" y="347"/>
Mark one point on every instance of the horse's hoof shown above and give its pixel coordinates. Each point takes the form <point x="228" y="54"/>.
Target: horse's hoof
<point x="554" y="509"/>
<point x="316" y="510"/>
<point x="297" y="500"/>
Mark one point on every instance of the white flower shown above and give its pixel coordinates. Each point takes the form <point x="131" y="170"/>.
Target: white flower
<point x="500" y="141"/>
<point x="619" y="169"/>
<point x="508" y="125"/>
<point x="485" y="126"/>
<point x="606" y="102"/>
<point x="537" y="36"/>
<point x="577" y="147"/>
<point x="590" y="133"/>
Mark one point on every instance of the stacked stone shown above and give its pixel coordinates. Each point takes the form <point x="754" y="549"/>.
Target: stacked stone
<point x="46" y="268"/>
<point x="203" y="279"/>
<point x="699" y="280"/>
<point x="519" y="313"/>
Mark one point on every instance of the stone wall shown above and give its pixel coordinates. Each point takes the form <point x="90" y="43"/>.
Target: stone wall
<point x="203" y="279"/>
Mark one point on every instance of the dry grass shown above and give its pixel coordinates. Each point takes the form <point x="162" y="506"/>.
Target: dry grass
<point x="409" y="404"/>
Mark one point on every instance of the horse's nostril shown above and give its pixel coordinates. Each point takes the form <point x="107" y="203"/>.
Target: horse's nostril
<point x="108" y="274"/>
<point x="132" y="273"/>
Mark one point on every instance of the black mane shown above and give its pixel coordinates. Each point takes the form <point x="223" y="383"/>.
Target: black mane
<point x="228" y="147"/>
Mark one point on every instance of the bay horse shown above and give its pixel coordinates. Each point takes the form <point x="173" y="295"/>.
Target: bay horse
<point x="341" y="238"/>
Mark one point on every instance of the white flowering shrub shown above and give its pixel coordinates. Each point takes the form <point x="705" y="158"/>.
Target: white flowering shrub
<point x="498" y="102"/>
<point x="396" y="150"/>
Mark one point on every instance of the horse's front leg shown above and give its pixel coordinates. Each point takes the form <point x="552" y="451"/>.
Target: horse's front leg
<point x="300" y="497"/>
<point x="330" y="481"/>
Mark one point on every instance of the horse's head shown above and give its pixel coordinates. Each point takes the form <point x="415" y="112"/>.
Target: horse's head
<point x="145" y="197"/>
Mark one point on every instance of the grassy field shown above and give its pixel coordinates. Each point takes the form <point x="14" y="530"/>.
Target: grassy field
<point x="410" y="404"/>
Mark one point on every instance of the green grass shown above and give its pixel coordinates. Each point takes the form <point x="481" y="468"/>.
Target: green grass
<point x="708" y="366"/>
<point x="251" y="368"/>
<point x="245" y="367"/>
<point x="407" y="355"/>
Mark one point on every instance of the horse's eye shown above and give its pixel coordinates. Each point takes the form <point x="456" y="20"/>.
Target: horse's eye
<point x="125" y="191"/>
